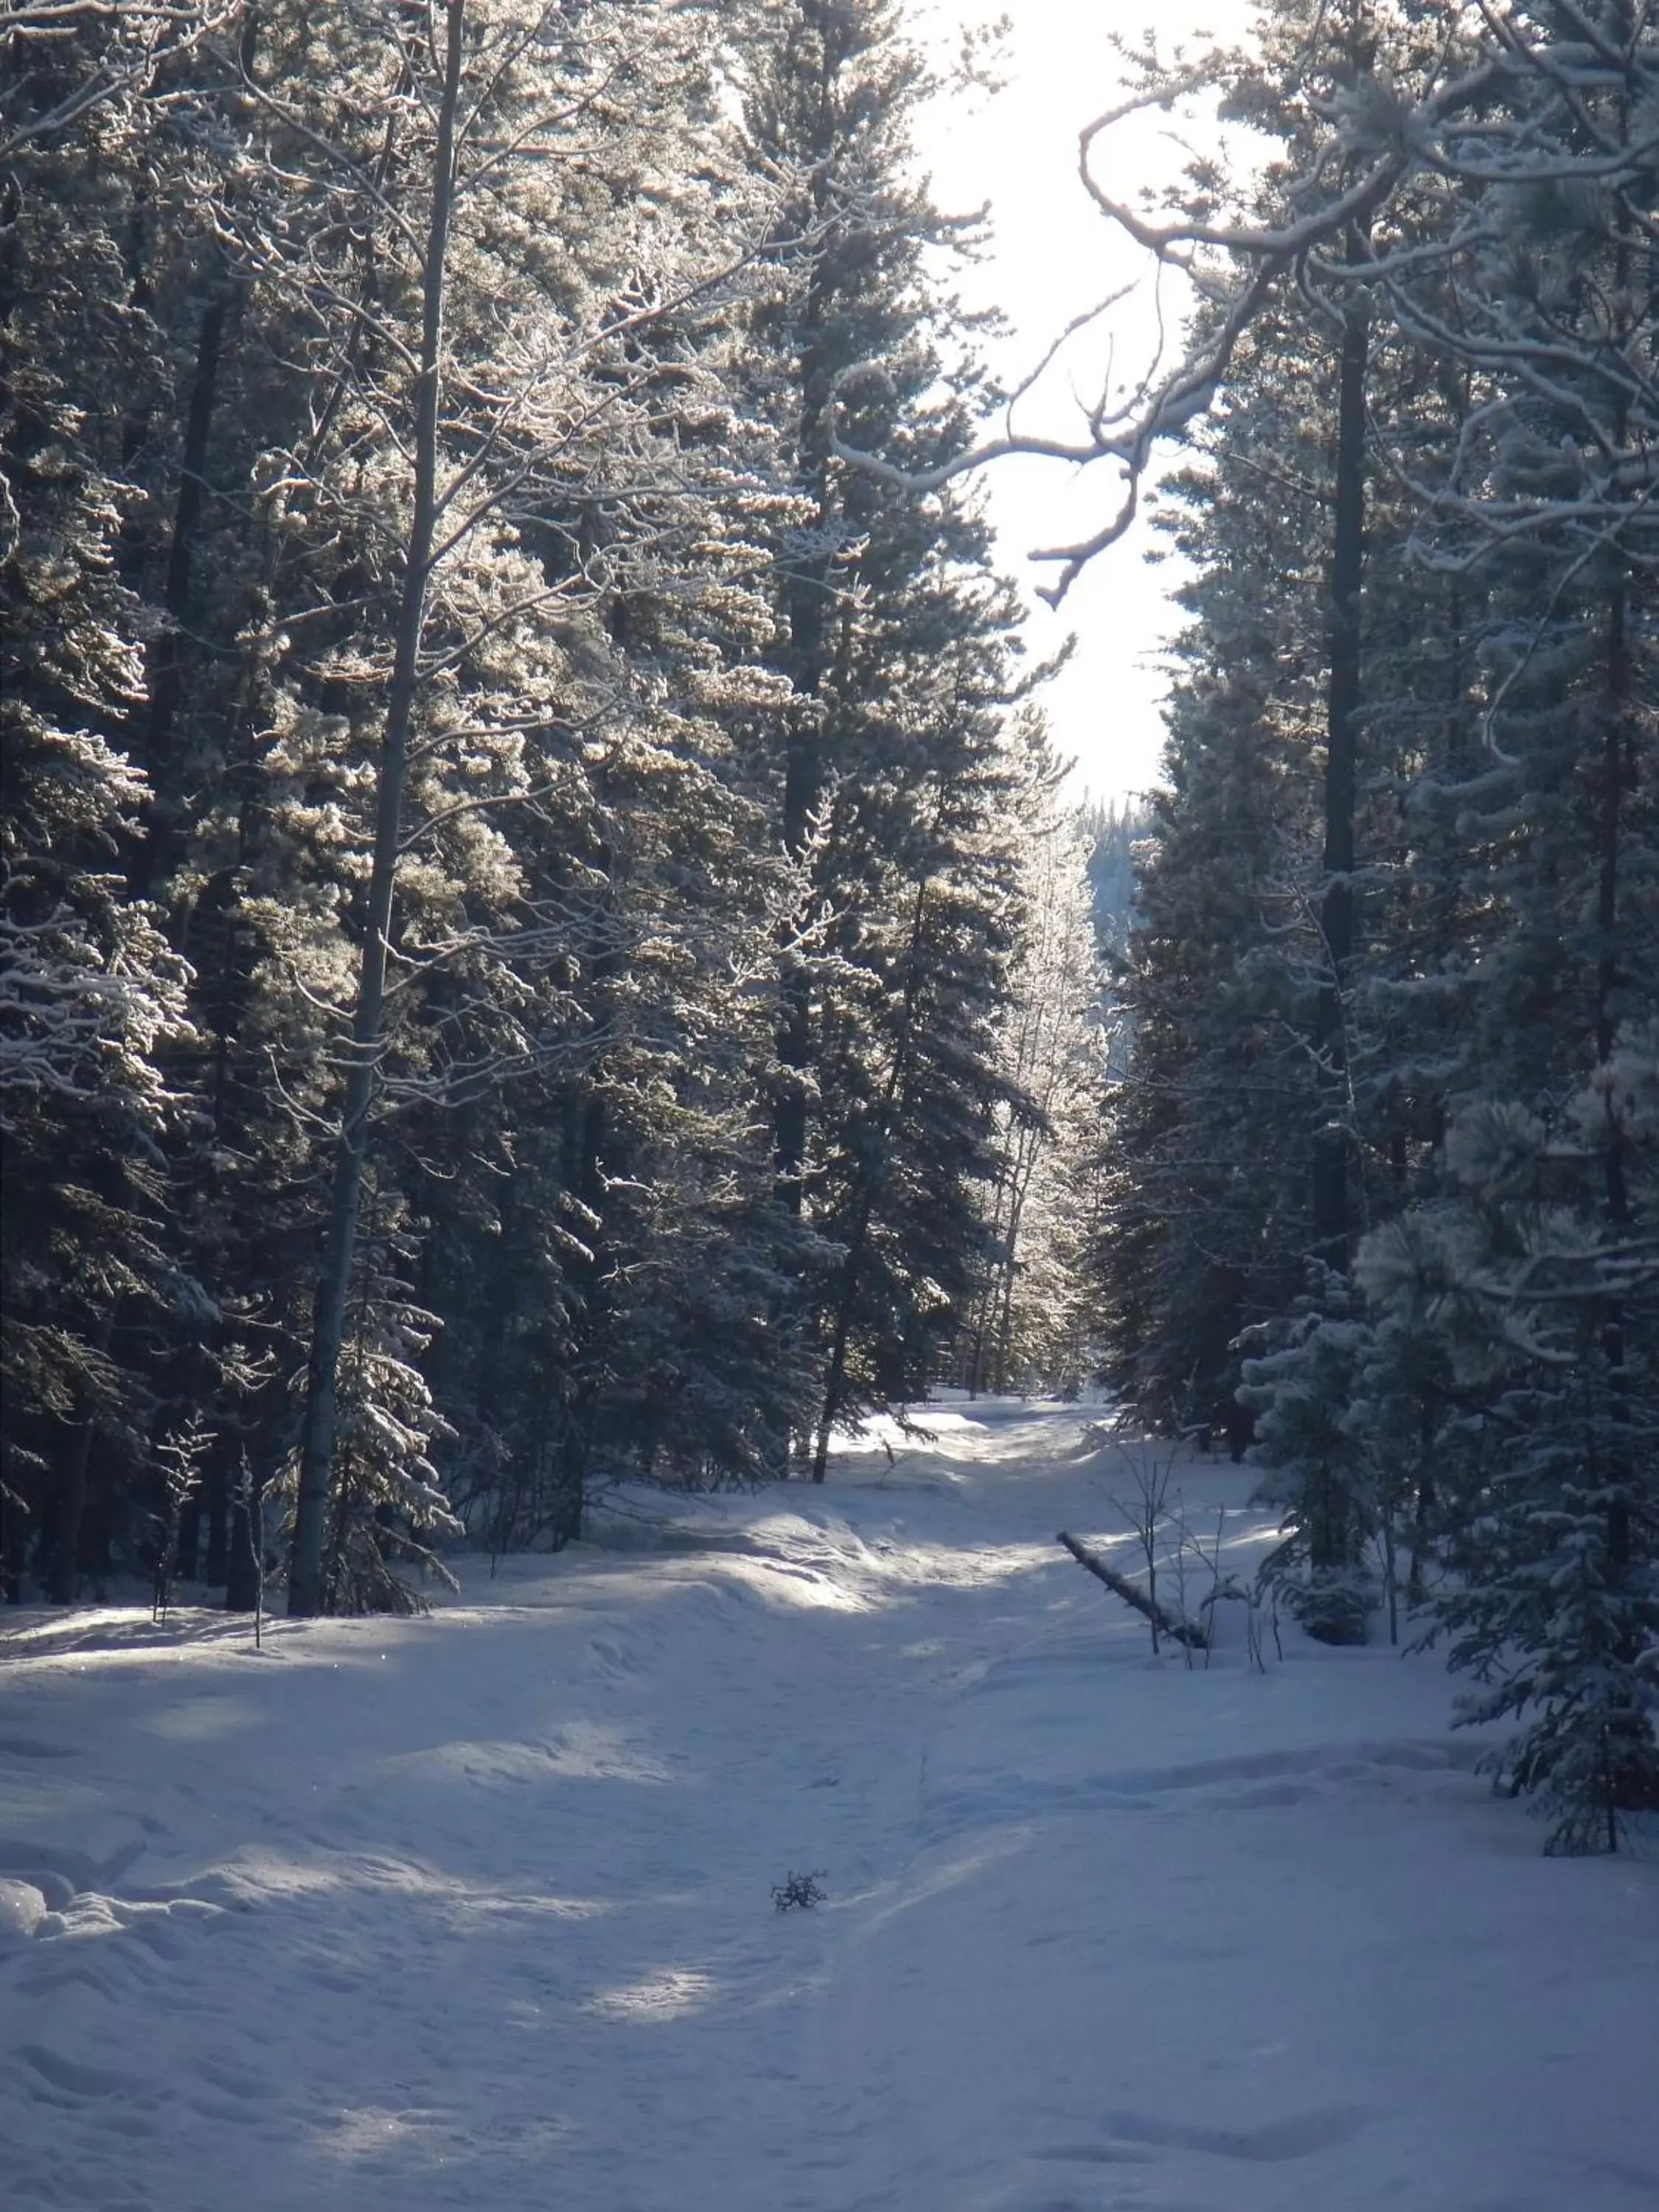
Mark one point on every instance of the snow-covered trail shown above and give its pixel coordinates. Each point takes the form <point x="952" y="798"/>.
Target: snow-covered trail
<point x="478" y="1910"/>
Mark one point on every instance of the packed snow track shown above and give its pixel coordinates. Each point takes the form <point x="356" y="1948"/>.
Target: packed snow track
<point x="478" y="1909"/>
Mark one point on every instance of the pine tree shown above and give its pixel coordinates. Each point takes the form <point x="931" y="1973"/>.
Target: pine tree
<point x="1510" y="927"/>
<point x="1206" y="1217"/>
<point x="90" y="992"/>
<point x="1031" y="1319"/>
<point x="496" y="584"/>
<point x="1550" y="1429"/>
<point x="898" y="647"/>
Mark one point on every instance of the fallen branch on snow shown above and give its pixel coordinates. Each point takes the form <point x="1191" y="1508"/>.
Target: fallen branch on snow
<point x="1170" y="1623"/>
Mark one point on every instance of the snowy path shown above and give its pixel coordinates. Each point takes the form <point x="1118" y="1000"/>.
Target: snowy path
<point x="477" y="1911"/>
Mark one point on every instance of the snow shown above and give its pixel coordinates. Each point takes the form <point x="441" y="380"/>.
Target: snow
<point x="478" y="1910"/>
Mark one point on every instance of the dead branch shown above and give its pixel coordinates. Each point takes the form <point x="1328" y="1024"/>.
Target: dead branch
<point x="1171" y="1624"/>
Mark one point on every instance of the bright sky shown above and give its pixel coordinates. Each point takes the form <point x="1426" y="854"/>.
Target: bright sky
<point x="1053" y="258"/>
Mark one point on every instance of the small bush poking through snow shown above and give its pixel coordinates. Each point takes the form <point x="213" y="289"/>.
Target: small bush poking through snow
<point x="800" y="1889"/>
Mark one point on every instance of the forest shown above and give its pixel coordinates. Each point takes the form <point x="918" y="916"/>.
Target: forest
<point x="541" y="939"/>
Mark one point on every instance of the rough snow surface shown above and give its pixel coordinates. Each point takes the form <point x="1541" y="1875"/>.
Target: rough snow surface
<point x="478" y="1910"/>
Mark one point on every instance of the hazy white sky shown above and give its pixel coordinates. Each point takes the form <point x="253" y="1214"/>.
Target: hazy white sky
<point x="1053" y="258"/>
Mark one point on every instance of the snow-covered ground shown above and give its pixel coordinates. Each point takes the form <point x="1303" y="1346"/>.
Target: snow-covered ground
<point x="478" y="1910"/>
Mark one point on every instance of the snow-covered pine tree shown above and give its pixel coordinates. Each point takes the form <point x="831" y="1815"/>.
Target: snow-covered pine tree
<point x="924" y="885"/>
<point x="1548" y="1438"/>
<point x="1545" y="1288"/>
<point x="586" y="908"/>
<point x="1204" y="1219"/>
<point x="1031" y="1319"/>
<point x="495" y="581"/>
<point x="1512" y="262"/>
<point x="889" y="783"/>
<point x="611" y="1303"/>
<point x="90" y="992"/>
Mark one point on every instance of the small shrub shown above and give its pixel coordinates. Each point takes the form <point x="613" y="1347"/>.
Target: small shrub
<point x="1332" y="1604"/>
<point x="800" y="1889"/>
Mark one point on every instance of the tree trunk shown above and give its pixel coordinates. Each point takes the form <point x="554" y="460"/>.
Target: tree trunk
<point x="333" y="1287"/>
<point x="835" y="1381"/>
<point x="243" y="1565"/>
<point x="1617" y="768"/>
<point x="216" y="1501"/>
<point x="71" y="1516"/>
<point x="72" y="1502"/>
<point x="1336" y="912"/>
<point x="153" y="860"/>
<point x="1618" y="772"/>
<point x="808" y="605"/>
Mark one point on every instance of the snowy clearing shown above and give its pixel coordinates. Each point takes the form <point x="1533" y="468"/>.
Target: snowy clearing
<point x="478" y="1910"/>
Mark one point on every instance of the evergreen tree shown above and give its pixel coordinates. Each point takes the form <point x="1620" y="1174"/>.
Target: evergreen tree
<point x="898" y="645"/>
<point x="1206" y="1219"/>
<point x="1493" y="1395"/>
<point x="89" y="991"/>
<point x="1031" y="1320"/>
<point x="1549" y="1430"/>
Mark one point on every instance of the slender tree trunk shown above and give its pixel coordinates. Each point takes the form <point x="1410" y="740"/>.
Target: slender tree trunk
<point x="328" y="1327"/>
<point x="15" y="1528"/>
<point x="835" y="1386"/>
<point x="154" y="859"/>
<point x="71" y="1515"/>
<point x="1024" y="1167"/>
<point x="1336" y="913"/>
<point x="586" y="1140"/>
<point x="72" y="1503"/>
<point x="808" y="602"/>
<point x="1618" y="770"/>
<point x="800" y="796"/>
<point x="244" y="1566"/>
<point x="803" y="788"/>
<point x="983" y="1325"/>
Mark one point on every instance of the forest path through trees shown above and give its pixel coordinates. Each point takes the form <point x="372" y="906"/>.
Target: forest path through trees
<point x="478" y="1909"/>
